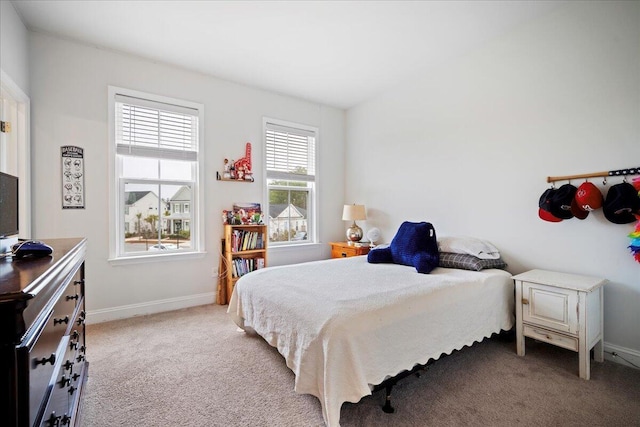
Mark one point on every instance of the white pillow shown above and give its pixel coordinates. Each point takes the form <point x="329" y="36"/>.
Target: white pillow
<point x="468" y="245"/>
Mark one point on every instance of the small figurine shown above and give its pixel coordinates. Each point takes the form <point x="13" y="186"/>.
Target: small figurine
<point x="227" y="169"/>
<point x="244" y="219"/>
<point x="232" y="169"/>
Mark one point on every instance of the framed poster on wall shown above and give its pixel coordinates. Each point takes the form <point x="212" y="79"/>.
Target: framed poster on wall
<point x="72" y="177"/>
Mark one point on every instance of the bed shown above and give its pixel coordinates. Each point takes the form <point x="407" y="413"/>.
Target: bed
<point x="346" y="325"/>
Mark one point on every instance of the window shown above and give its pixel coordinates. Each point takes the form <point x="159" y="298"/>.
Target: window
<point x="156" y="160"/>
<point x="290" y="153"/>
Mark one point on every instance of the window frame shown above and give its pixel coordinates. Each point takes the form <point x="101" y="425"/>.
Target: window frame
<point x="313" y="190"/>
<point x="116" y="185"/>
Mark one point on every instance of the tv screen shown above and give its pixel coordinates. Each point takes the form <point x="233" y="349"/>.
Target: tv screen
<point x="8" y="205"/>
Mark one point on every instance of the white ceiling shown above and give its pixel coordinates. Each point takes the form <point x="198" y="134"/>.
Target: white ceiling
<point x="338" y="53"/>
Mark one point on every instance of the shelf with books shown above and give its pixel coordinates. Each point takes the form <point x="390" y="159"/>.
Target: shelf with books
<point x="245" y="250"/>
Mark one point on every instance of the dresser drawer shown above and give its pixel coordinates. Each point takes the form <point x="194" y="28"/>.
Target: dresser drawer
<point x="69" y="299"/>
<point x="57" y="411"/>
<point x="65" y="308"/>
<point x="551" y="337"/>
<point x="343" y="250"/>
<point x="43" y="354"/>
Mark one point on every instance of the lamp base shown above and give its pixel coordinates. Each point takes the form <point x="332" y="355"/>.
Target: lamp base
<point x="354" y="233"/>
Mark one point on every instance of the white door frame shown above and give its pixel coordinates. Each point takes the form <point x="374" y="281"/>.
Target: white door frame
<point x="21" y="135"/>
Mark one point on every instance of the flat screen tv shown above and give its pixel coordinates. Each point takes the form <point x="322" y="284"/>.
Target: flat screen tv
<point x="8" y="205"/>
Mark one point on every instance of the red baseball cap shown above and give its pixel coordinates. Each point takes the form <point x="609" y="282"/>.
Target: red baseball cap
<point x="577" y="211"/>
<point x="588" y="197"/>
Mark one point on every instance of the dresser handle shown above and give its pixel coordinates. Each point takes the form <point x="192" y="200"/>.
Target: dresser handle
<point x="51" y="359"/>
<point x="69" y="297"/>
<point x="65" y="320"/>
<point x="344" y="255"/>
<point x="64" y="381"/>
<point x="53" y="421"/>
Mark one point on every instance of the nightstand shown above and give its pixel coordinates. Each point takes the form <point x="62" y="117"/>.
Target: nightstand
<point x="561" y="309"/>
<point x="345" y="250"/>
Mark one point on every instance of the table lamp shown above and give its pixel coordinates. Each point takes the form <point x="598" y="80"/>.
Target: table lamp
<point x="353" y="213"/>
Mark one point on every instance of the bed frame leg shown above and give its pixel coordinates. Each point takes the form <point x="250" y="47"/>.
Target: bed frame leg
<point x="387" y="401"/>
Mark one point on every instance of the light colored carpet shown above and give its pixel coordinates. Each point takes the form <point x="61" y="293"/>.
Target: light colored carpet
<point x="193" y="367"/>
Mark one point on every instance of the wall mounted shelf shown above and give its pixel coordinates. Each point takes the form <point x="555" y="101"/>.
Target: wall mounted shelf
<point x="220" y="178"/>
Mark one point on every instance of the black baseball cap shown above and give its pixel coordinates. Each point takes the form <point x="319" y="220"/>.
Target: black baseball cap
<point x="544" y="206"/>
<point x="561" y="199"/>
<point x="622" y="204"/>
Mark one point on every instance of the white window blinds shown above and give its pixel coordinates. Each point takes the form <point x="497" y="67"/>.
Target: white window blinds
<point x="290" y="153"/>
<point x="154" y="129"/>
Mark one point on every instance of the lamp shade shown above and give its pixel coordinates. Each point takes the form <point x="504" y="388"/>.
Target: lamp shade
<point x="353" y="213"/>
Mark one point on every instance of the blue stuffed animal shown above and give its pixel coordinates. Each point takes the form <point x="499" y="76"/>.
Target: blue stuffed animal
<point x="414" y="244"/>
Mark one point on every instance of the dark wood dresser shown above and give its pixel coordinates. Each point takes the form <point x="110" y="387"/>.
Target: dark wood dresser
<point x="42" y="339"/>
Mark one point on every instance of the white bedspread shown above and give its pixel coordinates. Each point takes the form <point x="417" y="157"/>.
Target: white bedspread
<point x="344" y="325"/>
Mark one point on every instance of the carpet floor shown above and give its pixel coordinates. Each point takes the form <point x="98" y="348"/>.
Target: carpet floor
<point x="194" y="367"/>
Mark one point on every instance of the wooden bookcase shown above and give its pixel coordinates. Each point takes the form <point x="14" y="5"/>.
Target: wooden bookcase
<point x="245" y="250"/>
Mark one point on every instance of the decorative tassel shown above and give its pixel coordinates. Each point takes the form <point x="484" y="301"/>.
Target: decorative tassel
<point x="635" y="234"/>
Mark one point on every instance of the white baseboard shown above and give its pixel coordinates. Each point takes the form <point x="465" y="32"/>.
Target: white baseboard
<point x="623" y="353"/>
<point x="150" y="307"/>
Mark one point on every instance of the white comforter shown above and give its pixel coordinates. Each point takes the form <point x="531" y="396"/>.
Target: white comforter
<point x="344" y="325"/>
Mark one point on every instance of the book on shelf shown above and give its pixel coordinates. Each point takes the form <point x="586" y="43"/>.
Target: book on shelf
<point x="242" y="266"/>
<point x="245" y="240"/>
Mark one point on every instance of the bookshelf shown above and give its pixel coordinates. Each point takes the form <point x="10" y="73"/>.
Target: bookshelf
<point x="245" y="250"/>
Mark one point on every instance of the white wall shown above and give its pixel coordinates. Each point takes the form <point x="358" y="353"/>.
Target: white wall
<point x="469" y="146"/>
<point x="14" y="46"/>
<point x="69" y="107"/>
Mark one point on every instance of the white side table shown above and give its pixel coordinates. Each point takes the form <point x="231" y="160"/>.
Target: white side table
<point x="561" y="309"/>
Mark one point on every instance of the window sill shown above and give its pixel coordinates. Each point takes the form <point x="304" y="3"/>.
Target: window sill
<point x="145" y="259"/>
<point x="295" y="247"/>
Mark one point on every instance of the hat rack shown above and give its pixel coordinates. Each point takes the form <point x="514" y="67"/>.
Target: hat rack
<point x="619" y="172"/>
